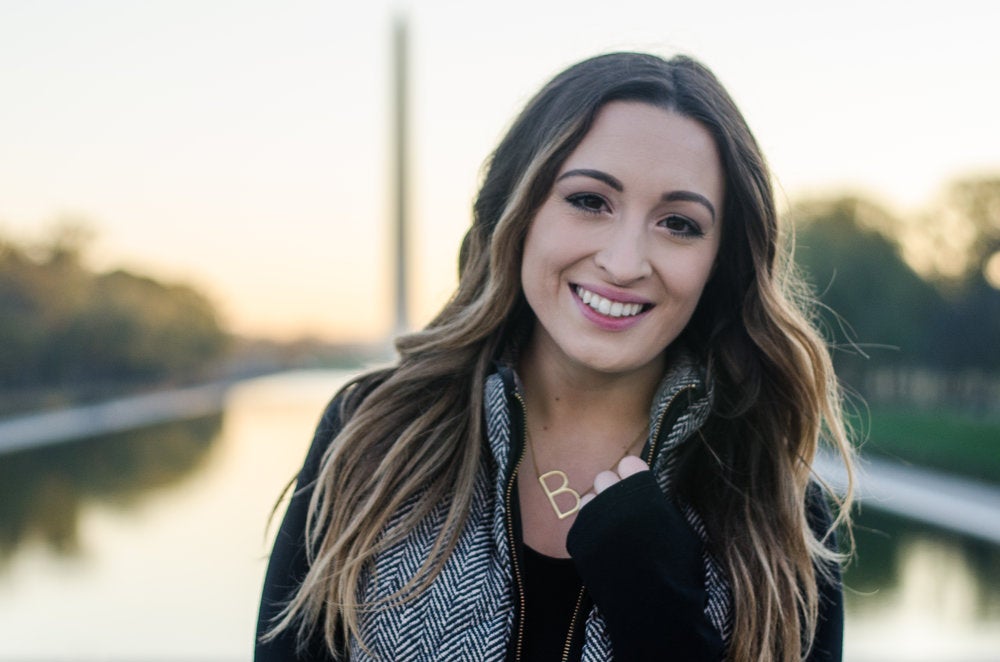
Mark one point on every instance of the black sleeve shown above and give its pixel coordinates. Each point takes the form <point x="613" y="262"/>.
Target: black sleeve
<point x="287" y="565"/>
<point x="828" y="643"/>
<point x="642" y="565"/>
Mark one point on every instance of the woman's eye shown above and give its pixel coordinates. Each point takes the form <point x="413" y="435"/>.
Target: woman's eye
<point x="588" y="202"/>
<point x="684" y="227"/>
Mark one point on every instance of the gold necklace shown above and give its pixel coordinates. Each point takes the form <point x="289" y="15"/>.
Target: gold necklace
<point x="564" y="487"/>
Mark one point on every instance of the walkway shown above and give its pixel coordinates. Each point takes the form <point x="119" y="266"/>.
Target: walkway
<point x="120" y="415"/>
<point x="962" y="505"/>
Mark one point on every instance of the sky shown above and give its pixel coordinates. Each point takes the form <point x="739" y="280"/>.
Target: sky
<point x="244" y="147"/>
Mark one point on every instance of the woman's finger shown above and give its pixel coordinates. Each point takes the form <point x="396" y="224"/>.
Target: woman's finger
<point x="630" y="465"/>
<point x="604" y="480"/>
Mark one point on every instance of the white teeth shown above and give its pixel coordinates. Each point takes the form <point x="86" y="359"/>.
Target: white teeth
<point x="606" y="306"/>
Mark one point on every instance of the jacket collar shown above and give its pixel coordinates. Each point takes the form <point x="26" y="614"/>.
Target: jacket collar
<point x="681" y="405"/>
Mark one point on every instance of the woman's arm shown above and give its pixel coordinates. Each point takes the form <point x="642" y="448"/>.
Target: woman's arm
<point x="642" y="564"/>
<point x="287" y="565"/>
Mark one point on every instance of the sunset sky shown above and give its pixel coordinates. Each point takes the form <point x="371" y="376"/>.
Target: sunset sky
<point x="244" y="146"/>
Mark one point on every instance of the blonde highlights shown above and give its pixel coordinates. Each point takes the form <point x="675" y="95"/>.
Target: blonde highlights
<point x="413" y="433"/>
<point x="412" y="439"/>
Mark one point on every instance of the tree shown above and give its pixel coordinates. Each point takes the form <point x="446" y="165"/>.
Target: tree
<point x="64" y="325"/>
<point x="135" y="328"/>
<point x="963" y="232"/>
<point x="872" y="300"/>
<point x="852" y="252"/>
<point x="954" y="240"/>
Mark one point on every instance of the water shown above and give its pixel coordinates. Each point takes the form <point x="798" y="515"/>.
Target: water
<point x="151" y="545"/>
<point x="918" y="594"/>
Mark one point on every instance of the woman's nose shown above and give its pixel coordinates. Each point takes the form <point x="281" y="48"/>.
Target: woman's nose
<point x="623" y="257"/>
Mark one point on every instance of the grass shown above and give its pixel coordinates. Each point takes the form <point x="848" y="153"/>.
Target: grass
<point x="937" y="439"/>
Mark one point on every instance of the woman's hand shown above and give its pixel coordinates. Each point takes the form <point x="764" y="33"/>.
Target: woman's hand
<point x="629" y="465"/>
<point x="644" y="567"/>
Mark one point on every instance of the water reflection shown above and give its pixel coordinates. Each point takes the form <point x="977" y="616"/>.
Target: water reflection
<point x="170" y="523"/>
<point x="917" y="593"/>
<point x="45" y="488"/>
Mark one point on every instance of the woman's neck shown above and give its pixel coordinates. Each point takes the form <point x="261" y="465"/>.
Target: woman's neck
<point x="564" y="396"/>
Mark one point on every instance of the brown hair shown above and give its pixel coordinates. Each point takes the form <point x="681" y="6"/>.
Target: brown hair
<point x="414" y="431"/>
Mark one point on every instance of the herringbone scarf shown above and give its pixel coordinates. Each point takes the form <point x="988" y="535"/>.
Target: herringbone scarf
<point x="468" y="611"/>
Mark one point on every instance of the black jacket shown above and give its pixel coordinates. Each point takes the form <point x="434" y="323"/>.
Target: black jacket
<point x="656" y="594"/>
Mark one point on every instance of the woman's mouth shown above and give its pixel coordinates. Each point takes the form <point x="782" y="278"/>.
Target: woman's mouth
<point x="609" y="307"/>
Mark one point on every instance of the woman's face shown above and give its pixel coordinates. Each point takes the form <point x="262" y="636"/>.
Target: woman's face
<point x="617" y="256"/>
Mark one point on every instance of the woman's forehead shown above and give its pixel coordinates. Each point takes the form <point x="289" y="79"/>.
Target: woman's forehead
<point x="640" y="145"/>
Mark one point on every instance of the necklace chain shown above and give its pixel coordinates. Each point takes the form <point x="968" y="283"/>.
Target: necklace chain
<point x="563" y="485"/>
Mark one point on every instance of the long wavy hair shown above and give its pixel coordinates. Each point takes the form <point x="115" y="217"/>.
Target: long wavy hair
<point x="413" y="433"/>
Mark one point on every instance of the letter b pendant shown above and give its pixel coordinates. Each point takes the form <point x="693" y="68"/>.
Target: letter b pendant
<point x="563" y="488"/>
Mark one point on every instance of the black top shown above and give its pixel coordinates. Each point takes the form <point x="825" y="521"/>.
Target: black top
<point x="552" y="589"/>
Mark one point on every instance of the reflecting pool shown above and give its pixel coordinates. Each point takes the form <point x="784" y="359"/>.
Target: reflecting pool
<point x="151" y="545"/>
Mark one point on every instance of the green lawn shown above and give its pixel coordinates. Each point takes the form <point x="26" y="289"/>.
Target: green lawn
<point x="943" y="440"/>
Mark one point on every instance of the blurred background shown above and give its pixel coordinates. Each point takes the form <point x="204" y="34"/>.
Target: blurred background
<point x="196" y="248"/>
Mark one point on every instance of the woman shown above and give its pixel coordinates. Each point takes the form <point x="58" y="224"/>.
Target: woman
<point x="602" y="445"/>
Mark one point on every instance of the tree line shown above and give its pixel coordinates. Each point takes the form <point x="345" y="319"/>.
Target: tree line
<point x="920" y="291"/>
<point x="895" y="292"/>
<point x="63" y="325"/>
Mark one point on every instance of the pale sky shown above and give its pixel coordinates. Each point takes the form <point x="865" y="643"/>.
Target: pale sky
<point x="243" y="146"/>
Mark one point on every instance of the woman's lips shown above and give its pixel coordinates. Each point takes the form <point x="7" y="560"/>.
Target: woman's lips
<point x="611" y="307"/>
<point x="610" y="314"/>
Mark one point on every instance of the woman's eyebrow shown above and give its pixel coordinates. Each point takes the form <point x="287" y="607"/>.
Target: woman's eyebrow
<point x="683" y="196"/>
<point x="690" y="196"/>
<point x="594" y="174"/>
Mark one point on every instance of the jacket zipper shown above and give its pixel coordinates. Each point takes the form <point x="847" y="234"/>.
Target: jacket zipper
<point x="572" y="624"/>
<point x="510" y="530"/>
<point x="655" y="436"/>
<point x="510" y="525"/>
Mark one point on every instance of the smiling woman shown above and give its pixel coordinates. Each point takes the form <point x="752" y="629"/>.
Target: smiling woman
<point x="602" y="446"/>
<point x="630" y="222"/>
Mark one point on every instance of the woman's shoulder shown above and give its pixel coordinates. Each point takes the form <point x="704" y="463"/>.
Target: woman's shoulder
<point x="337" y="412"/>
